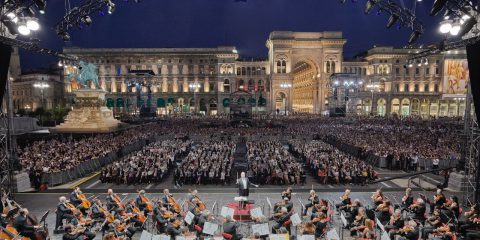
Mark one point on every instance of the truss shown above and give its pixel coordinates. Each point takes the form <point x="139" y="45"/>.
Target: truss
<point x="472" y="130"/>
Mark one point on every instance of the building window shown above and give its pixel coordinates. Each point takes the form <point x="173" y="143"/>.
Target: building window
<point x="261" y="87"/>
<point x="417" y="71"/>
<point x="397" y="87"/>
<point x="251" y="85"/>
<point x="244" y="71"/>
<point x="249" y="71"/>
<point x="226" y="85"/>
<point x="436" y="87"/>
<point x="397" y="61"/>
<point x="241" y="84"/>
<point x="397" y="71"/>
<point x="427" y="71"/>
<point x="405" y="87"/>
<point x="239" y="71"/>
<point x="416" y="88"/>
<point x="407" y="72"/>
<point x="437" y="71"/>
<point x="281" y="66"/>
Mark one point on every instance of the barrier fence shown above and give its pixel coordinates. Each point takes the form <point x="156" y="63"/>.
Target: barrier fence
<point x="89" y="166"/>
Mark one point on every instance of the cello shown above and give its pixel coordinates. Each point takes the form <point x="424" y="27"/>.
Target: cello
<point x="174" y="205"/>
<point x="10" y="233"/>
<point x="85" y="202"/>
<point x="41" y="233"/>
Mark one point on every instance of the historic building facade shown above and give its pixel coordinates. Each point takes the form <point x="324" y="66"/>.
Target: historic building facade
<point x="296" y="77"/>
<point x="38" y="88"/>
<point x="433" y="86"/>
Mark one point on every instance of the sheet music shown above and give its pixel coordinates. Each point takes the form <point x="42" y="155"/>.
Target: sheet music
<point x="261" y="229"/>
<point x="306" y="237"/>
<point x="240" y="199"/>
<point x="344" y="220"/>
<point x="380" y="225"/>
<point x="332" y="235"/>
<point x="146" y="235"/>
<point x="226" y="211"/>
<point x="210" y="228"/>
<point x="256" y="212"/>
<point x="189" y="218"/>
<point x="278" y="236"/>
<point x="385" y="236"/>
<point x="295" y="219"/>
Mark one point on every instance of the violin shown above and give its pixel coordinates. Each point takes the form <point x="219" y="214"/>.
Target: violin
<point x="173" y="203"/>
<point x="395" y="218"/>
<point x="406" y="229"/>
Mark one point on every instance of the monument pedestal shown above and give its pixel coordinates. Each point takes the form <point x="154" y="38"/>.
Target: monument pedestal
<point x="89" y="115"/>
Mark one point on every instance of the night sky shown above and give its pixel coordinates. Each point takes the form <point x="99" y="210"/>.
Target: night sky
<point x="211" y="23"/>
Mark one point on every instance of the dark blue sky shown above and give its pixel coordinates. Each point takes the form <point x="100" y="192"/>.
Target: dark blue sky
<point x="210" y="23"/>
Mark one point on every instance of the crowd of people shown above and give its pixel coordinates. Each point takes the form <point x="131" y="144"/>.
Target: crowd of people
<point x="149" y="165"/>
<point x="271" y="163"/>
<point x="331" y="166"/>
<point x="208" y="162"/>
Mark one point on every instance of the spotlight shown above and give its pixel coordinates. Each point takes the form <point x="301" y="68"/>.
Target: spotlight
<point x="41" y="5"/>
<point x="368" y="7"/>
<point x="445" y="27"/>
<point x="60" y="64"/>
<point x="24" y="30"/>
<point x="11" y="26"/>
<point x="392" y="20"/>
<point x="33" y="25"/>
<point x="455" y="28"/>
<point x="426" y="61"/>
<point x="87" y="20"/>
<point x="437" y="7"/>
<point x="469" y="24"/>
<point x="414" y="36"/>
<point x="11" y="15"/>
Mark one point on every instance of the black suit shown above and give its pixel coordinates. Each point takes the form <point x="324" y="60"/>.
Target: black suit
<point x="231" y="228"/>
<point x="243" y="189"/>
<point x="24" y="229"/>
<point x="62" y="213"/>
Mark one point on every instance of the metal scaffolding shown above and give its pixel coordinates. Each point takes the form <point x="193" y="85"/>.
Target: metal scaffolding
<point x="472" y="154"/>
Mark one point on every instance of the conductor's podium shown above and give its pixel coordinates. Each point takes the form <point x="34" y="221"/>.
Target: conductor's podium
<point x="241" y="214"/>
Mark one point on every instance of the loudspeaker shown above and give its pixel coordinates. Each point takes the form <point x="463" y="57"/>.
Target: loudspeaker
<point x="5" y="53"/>
<point x="473" y="56"/>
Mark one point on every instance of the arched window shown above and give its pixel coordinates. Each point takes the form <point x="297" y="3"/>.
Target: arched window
<point x="249" y="71"/>
<point x="284" y="66"/>
<point x="251" y="85"/>
<point x="264" y="71"/>
<point x="244" y="71"/>
<point x="279" y="66"/>
<point x="333" y="66"/>
<point x="226" y="85"/>
<point x="328" y="66"/>
<point x="261" y="87"/>
<point x="254" y="71"/>
<point x="239" y="70"/>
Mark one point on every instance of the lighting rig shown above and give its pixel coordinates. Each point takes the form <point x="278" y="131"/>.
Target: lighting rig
<point x="405" y="17"/>
<point x="18" y="16"/>
<point x="460" y="16"/>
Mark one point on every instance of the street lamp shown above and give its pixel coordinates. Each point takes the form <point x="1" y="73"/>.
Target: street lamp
<point x="286" y="86"/>
<point x="195" y="87"/>
<point x="373" y="87"/>
<point x="41" y="86"/>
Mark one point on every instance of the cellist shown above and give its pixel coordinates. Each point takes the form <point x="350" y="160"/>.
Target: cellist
<point x="64" y="211"/>
<point x="143" y="203"/>
<point x="77" y="199"/>
<point x="169" y="202"/>
<point x="112" y="201"/>
<point x="21" y="225"/>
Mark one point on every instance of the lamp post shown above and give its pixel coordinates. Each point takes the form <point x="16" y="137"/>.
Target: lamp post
<point x="194" y="86"/>
<point x="373" y="87"/>
<point x="286" y="86"/>
<point x="41" y="86"/>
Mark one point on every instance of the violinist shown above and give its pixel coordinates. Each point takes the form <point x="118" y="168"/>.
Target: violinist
<point x="98" y="210"/>
<point x="352" y="211"/>
<point x="76" y="200"/>
<point x="345" y="200"/>
<point x="64" y="211"/>
<point x="377" y="197"/>
<point x="21" y="225"/>
<point x="321" y="225"/>
<point x="287" y="193"/>
<point x="383" y="212"/>
<point x="174" y="228"/>
<point x="127" y="218"/>
<point x="121" y="229"/>
<point x="368" y="232"/>
<point x="359" y="222"/>
<point x="230" y="226"/>
<point x="79" y="222"/>
<point x="193" y="207"/>
<point x="72" y="233"/>
<point x="407" y="200"/>
<point x="198" y="202"/>
<point x="312" y="201"/>
<point x="468" y="223"/>
<point x="438" y="200"/>
<point x="418" y="210"/>
<point x="452" y="207"/>
<point x="132" y="214"/>
<point x="320" y="207"/>
<point x="206" y="216"/>
<point x="396" y="222"/>
<point x="161" y="219"/>
<point x="284" y="203"/>
<point x="433" y="223"/>
<point x="282" y="217"/>
<point x="443" y="232"/>
<point x="409" y="231"/>
<point x="308" y="228"/>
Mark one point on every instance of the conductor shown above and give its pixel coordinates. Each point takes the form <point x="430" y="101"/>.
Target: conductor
<point x="243" y="188"/>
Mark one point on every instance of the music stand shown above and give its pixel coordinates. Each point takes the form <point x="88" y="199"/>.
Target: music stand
<point x="44" y="217"/>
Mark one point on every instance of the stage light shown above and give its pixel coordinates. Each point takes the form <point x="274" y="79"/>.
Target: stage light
<point x="111" y="7"/>
<point x="445" y="27"/>
<point x="23" y="29"/>
<point x="469" y="24"/>
<point x="11" y="26"/>
<point x="455" y="28"/>
<point x="437" y="7"/>
<point x="11" y="15"/>
<point x="87" y="20"/>
<point x="392" y="20"/>
<point x="41" y="5"/>
<point x="368" y="7"/>
<point x="414" y="37"/>
<point x="60" y="64"/>
<point x="426" y="61"/>
<point x="33" y="25"/>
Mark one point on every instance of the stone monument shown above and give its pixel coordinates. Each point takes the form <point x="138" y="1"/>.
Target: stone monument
<point x="89" y="113"/>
